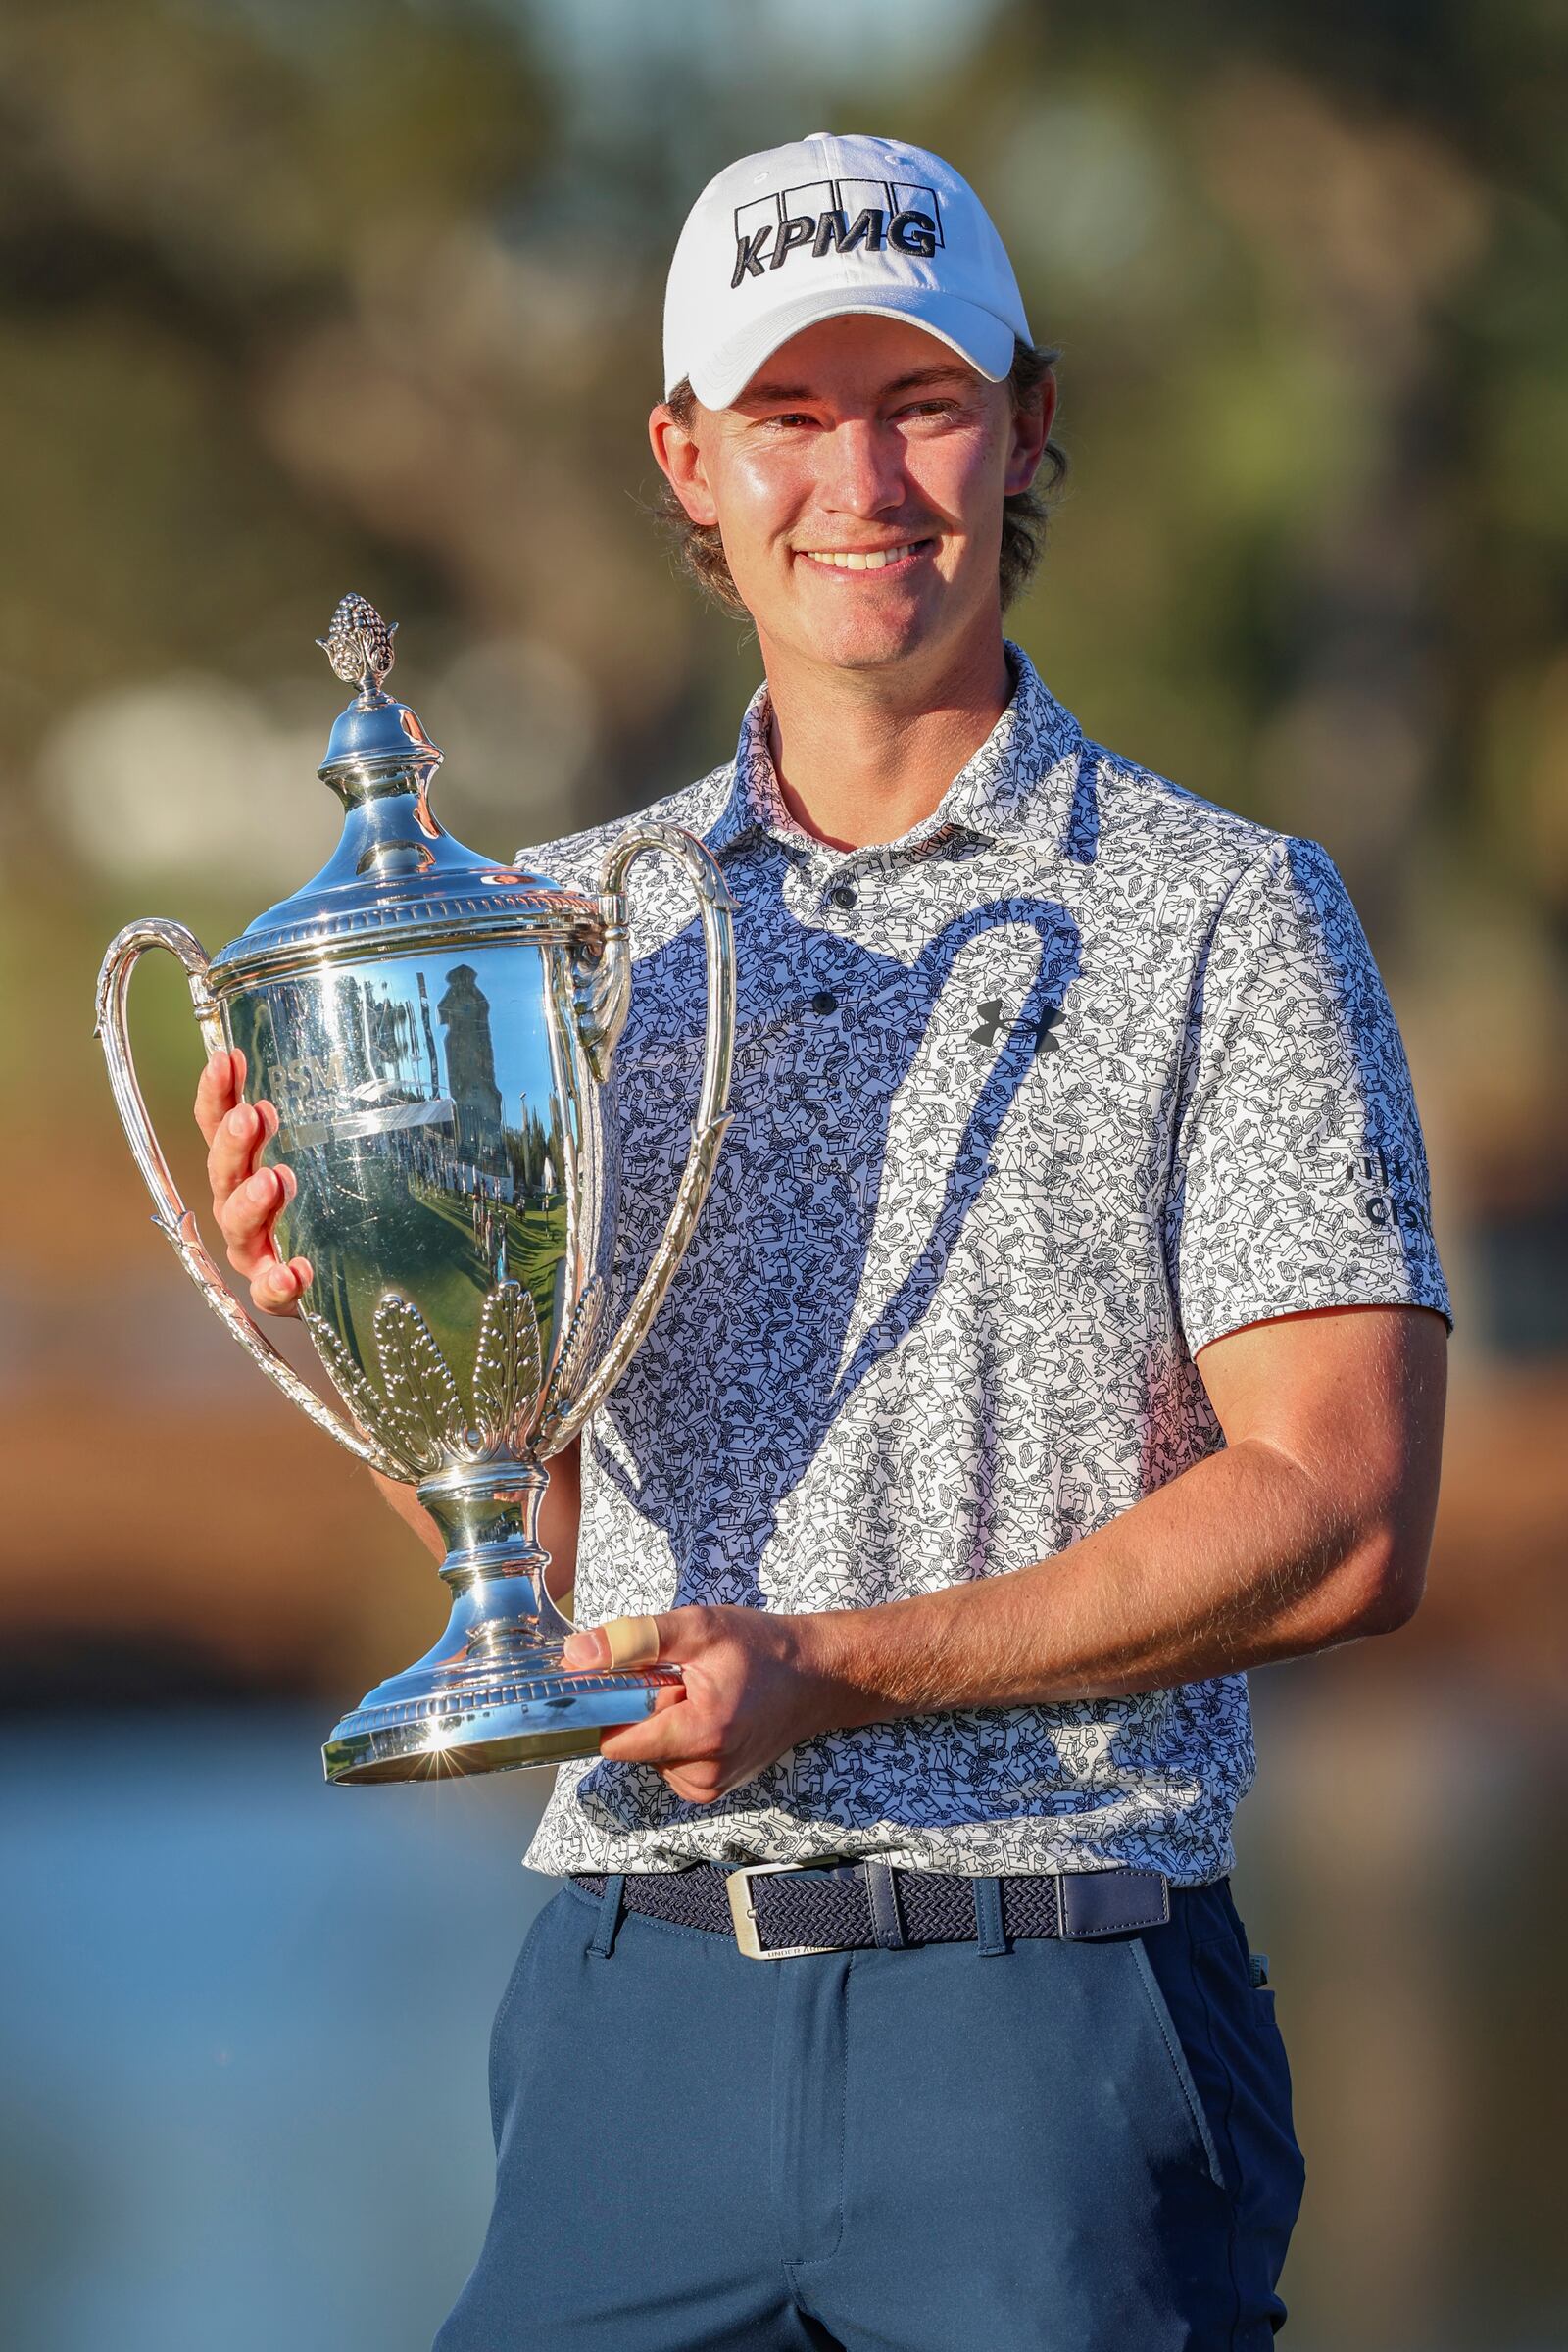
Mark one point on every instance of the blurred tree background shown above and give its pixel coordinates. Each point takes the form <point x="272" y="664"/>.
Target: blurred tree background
<point x="305" y="295"/>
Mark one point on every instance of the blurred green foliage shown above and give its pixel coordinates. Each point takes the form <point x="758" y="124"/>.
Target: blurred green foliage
<point x="368" y="294"/>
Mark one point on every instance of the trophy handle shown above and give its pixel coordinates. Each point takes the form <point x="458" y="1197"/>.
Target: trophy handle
<point x="609" y="994"/>
<point x="173" y="1219"/>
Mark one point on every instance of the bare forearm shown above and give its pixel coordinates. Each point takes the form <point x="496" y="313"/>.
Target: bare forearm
<point x="1310" y="1528"/>
<point x="401" y="1498"/>
<point x="1242" y="1559"/>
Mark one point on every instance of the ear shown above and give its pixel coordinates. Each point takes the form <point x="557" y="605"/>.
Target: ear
<point x="1031" y="430"/>
<point x="680" y="462"/>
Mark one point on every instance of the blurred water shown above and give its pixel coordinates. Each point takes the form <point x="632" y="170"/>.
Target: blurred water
<point x="243" y="2029"/>
<point x="244" y="2022"/>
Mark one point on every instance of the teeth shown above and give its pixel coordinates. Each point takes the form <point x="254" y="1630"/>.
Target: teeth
<point x="877" y="560"/>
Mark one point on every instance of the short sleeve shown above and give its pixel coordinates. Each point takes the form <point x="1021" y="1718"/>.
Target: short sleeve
<point x="1299" y="1175"/>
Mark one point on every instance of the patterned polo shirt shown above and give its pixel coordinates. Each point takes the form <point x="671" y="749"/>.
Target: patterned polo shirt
<point x="1028" y="1105"/>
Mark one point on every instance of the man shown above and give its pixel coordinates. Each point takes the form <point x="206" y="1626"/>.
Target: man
<point x="1063" y="1335"/>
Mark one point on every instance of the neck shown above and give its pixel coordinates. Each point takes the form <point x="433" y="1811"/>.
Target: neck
<point x="863" y="756"/>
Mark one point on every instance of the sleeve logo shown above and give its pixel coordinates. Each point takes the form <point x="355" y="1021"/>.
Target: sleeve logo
<point x="1389" y="1190"/>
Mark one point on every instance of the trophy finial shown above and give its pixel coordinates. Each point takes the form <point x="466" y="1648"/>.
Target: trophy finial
<point x="377" y="744"/>
<point x="358" y="644"/>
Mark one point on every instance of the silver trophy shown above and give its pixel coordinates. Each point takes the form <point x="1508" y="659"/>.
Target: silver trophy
<point x="438" y="1035"/>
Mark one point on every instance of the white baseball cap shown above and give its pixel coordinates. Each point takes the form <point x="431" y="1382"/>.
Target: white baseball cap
<point x="822" y="229"/>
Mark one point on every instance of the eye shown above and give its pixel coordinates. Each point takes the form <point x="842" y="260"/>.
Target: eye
<point x="786" y="417"/>
<point x="930" y="408"/>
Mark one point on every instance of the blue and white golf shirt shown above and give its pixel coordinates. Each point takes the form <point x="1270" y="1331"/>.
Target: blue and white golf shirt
<point x="1028" y="1105"/>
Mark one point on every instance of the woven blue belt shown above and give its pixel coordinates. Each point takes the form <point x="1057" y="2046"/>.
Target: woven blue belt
<point x="779" y="1911"/>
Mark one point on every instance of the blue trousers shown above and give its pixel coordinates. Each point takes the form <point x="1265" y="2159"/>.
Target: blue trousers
<point x="1075" y="2146"/>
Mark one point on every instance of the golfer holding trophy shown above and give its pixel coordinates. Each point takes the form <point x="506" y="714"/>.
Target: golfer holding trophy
<point x="1056" y="1332"/>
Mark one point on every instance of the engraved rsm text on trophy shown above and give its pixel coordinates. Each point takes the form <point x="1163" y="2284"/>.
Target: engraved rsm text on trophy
<point x="438" y="1035"/>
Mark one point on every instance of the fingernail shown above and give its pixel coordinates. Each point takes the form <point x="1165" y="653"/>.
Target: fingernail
<point x="289" y="1181"/>
<point x="239" y="1120"/>
<point x="581" y="1649"/>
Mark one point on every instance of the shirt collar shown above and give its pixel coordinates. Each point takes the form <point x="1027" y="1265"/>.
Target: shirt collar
<point x="1020" y="780"/>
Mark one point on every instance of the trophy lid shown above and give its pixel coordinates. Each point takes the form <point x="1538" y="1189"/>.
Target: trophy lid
<point x="397" y="877"/>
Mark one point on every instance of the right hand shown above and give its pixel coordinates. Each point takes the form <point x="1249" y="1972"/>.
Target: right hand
<point x="246" y="1197"/>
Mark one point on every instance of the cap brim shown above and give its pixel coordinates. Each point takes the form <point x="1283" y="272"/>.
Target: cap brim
<point x="975" y="335"/>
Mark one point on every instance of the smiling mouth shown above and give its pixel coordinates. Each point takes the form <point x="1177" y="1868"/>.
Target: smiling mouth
<point x="866" y="560"/>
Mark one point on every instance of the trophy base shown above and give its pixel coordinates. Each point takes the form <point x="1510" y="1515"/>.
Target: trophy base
<point x="494" y="1693"/>
<point x="491" y="1726"/>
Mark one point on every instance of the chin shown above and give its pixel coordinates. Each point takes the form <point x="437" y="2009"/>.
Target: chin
<point x="867" y="640"/>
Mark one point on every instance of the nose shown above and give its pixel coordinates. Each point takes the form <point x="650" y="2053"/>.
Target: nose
<point x="864" y="472"/>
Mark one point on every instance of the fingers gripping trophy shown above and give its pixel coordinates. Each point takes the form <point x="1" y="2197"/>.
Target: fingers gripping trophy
<point x="437" y="1035"/>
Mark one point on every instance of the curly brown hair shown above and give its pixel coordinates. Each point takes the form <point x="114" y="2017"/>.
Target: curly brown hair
<point x="1024" y="516"/>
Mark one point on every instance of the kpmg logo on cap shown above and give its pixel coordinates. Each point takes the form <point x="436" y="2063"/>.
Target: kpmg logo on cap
<point x="816" y="217"/>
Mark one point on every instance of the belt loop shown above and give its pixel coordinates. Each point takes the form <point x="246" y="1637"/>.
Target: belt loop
<point x="886" y="1925"/>
<point x="988" y="1917"/>
<point x="604" y="1943"/>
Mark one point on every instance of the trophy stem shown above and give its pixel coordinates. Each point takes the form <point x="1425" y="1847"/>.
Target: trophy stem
<point x="493" y="1692"/>
<point x="489" y="1518"/>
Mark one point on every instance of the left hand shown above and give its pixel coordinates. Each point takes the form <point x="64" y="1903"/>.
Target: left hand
<point x="753" y="1689"/>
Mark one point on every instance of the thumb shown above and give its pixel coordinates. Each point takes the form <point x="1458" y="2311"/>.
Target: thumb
<point x="619" y="1642"/>
<point x="622" y="1641"/>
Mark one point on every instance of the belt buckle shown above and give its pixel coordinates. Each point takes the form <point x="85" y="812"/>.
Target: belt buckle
<point x="739" y="1890"/>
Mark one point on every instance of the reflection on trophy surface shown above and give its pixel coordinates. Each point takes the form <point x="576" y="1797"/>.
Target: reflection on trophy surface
<point x="438" y="1034"/>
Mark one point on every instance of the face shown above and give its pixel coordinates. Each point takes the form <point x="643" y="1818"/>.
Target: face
<point x="861" y="437"/>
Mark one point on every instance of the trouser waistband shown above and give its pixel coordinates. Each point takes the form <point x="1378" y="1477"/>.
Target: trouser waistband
<point x="778" y="1911"/>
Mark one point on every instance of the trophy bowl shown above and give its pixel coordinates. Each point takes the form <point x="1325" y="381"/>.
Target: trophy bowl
<point x="437" y="1034"/>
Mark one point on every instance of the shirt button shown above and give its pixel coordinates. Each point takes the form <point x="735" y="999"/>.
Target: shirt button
<point x="824" y="1001"/>
<point x="846" y="894"/>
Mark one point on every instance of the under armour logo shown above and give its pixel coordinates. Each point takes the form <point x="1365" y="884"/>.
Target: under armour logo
<point x="992" y="1021"/>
